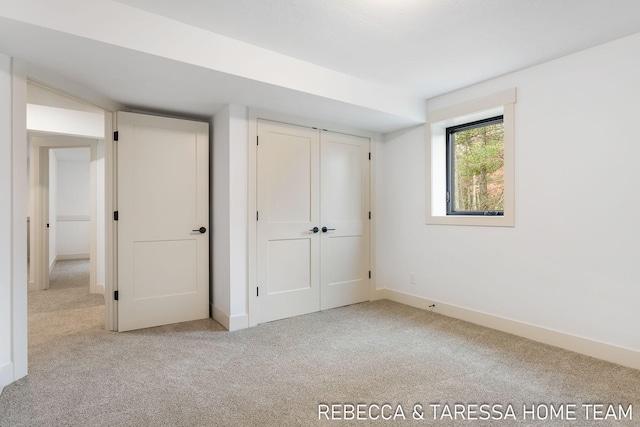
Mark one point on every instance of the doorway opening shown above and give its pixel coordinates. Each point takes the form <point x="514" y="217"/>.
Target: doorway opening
<point x="73" y="282"/>
<point x="66" y="208"/>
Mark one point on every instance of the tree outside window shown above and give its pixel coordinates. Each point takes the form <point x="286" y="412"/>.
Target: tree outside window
<point x="475" y="168"/>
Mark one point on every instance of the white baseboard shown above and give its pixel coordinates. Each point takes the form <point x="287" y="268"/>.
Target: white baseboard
<point x="237" y="323"/>
<point x="31" y="286"/>
<point x="67" y="257"/>
<point x="599" y="350"/>
<point x="99" y="289"/>
<point x="6" y="375"/>
<point x="220" y="316"/>
<point x="231" y="323"/>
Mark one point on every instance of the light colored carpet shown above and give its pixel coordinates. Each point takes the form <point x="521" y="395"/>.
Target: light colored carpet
<point x="276" y="374"/>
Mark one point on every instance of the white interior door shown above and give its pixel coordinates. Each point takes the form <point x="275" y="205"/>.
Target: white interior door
<point x="288" y="209"/>
<point x="345" y="219"/>
<point x="306" y="181"/>
<point x="163" y="198"/>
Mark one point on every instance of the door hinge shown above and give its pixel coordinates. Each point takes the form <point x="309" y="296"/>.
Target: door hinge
<point x="115" y="135"/>
<point x="115" y="295"/>
<point x="257" y="215"/>
<point x="257" y="291"/>
<point x="369" y="214"/>
<point x="257" y="140"/>
<point x="369" y="274"/>
<point x="115" y="215"/>
<point x="369" y="156"/>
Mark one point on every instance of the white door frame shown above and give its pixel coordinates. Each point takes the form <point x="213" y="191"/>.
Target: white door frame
<point x="40" y="146"/>
<point x="252" y="193"/>
<point x="110" y="232"/>
<point x="39" y="186"/>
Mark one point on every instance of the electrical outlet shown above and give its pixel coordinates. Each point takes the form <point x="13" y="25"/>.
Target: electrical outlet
<point x="412" y="278"/>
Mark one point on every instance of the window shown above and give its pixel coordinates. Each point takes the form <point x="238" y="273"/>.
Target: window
<point x="470" y="162"/>
<point x="475" y="168"/>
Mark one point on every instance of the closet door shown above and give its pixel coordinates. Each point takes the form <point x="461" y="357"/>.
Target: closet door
<point x="313" y="220"/>
<point x="345" y="219"/>
<point x="288" y="210"/>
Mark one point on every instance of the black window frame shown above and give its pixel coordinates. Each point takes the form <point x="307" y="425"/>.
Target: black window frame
<point x="450" y="159"/>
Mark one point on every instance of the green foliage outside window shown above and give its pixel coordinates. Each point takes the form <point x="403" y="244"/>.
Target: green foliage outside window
<point x="479" y="169"/>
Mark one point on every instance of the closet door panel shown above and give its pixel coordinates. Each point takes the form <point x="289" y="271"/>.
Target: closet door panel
<point x="288" y="208"/>
<point x="345" y="217"/>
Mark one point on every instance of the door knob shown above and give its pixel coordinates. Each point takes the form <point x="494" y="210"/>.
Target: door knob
<point x="315" y="229"/>
<point x="201" y="230"/>
<point x="325" y="229"/>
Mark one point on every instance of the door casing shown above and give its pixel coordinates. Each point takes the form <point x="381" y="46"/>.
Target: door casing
<point x="40" y="146"/>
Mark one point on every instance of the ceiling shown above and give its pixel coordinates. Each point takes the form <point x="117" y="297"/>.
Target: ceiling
<point x="426" y="47"/>
<point x="369" y="63"/>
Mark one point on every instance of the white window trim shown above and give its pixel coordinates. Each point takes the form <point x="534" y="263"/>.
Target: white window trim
<point x="501" y="103"/>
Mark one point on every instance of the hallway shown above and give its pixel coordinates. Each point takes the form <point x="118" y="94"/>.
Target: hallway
<point x="65" y="309"/>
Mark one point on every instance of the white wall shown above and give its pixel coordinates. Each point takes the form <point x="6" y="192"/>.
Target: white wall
<point x="73" y="203"/>
<point x="13" y="230"/>
<point x="238" y="164"/>
<point x="569" y="264"/>
<point x="219" y="237"/>
<point x="6" y="363"/>
<point x="229" y="214"/>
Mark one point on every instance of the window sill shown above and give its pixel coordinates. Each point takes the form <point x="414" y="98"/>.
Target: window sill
<point x="486" y="221"/>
